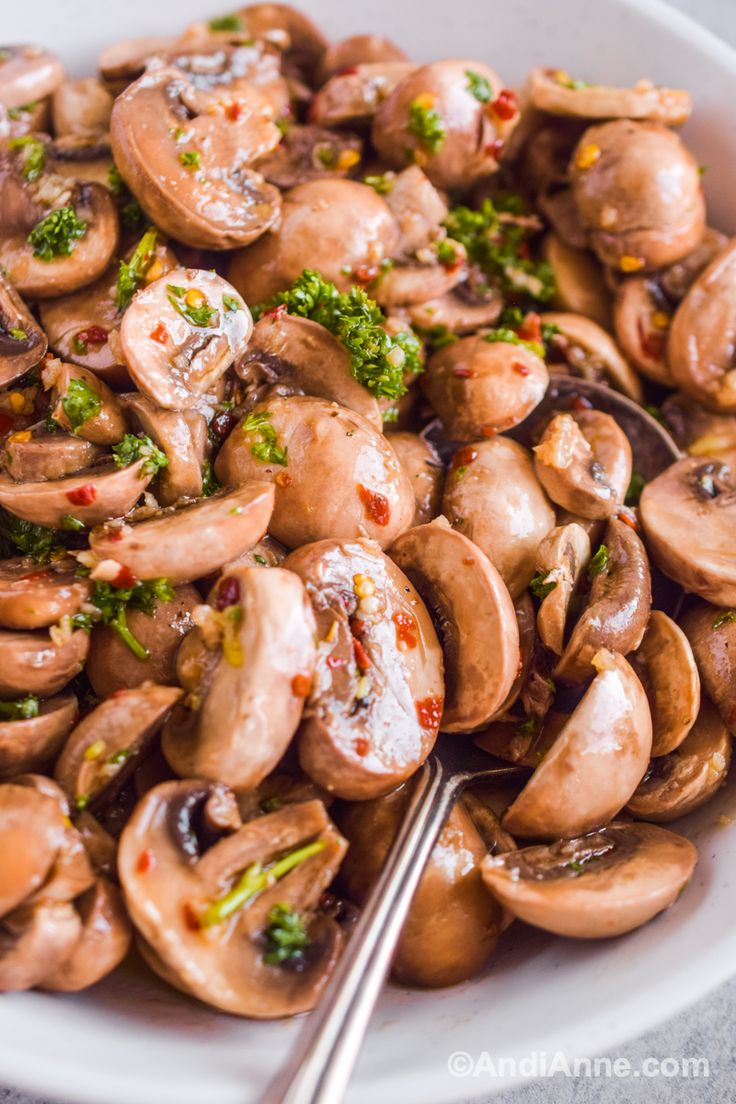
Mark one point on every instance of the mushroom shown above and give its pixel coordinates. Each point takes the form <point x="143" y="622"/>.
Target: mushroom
<point x="112" y="666"/>
<point x="181" y="334"/>
<point x="453" y="124"/>
<point x="700" y="432"/>
<point x="311" y="153"/>
<point x="422" y="464"/>
<point x="526" y="624"/>
<point x="27" y="74"/>
<point x="474" y="617"/>
<point x="665" y="664"/>
<point x="73" y="157"/>
<point x="89" y="497"/>
<point x="619" y="605"/>
<point x="234" y="69"/>
<point x="337" y="227"/>
<point x="700" y="347"/>
<point x="493" y="496"/>
<point x="375" y="705"/>
<point x="595" y="763"/>
<point x="299" y="443"/>
<point x="459" y="312"/>
<point x="180" y="881"/>
<point x="83" y="404"/>
<point x="637" y="190"/>
<point x="102" y="944"/>
<point x="683" y="780"/>
<point x="418" y="208"/>
<point x="584" y="461"/>
<point x="32" y="743"/>
<point x="22" y="341"/>
<point x="189" y="542"/>
<point x="288" y="354"/>
<point x="479" y="387"/>
<point x="355" y="94"/>
<point x="122" y="63"/>
<point x="266" y="553"/>
<point x="35" y="663"/>
<point x="688" y="515"/>
<point x="358" y="49"/>
<point x="35" y="941"/>
<point x="676" y="279"/>
<point x="181" y="435"/>
<point x="712" y="636"/>
<point x="586" y="350"/>
<point x="34" y="597"/>
<point x="106" y="745"/>
<point x="454" y="922"/>
<point x="555" y="92"/>
<point x="248" y="669"/>
<point x="643" y="317"/>
<point x="303" y="42"/>
<point x="580" y="286"/>
<point x="34" y="456"/>
<point x="597" y="886"/>
<point x="561" y="558"/>
<point x="32" y="829"/>
<point x="425" y="277"/>
<point x="82" y="108"/>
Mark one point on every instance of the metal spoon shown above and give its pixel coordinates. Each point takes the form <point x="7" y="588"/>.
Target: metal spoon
<point x="320" y="1066"/>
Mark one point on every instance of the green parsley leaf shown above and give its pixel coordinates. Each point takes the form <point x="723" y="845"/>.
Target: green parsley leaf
<point x="426" y="124"/>
<point x="80" y="402"/>
<point x="636" y="486"/>
<point x="17" y="334"/>
<point x="33" y="158"/>
<point x="436" y="337"/>
<point x="599" y="562"/>
<point x="326" y="155"/>
<point x="479" y="86"/>
<point x="135" y="447"/>
<point x="447" y="253"/>
<point x="22" y="709"/>
<point x="115" y="181"/>
<point x="56" y="234"/>
<point x="382" y="184"/>
<point x="132" y="272"/>
<point x="285" y="935"/>
<point x="210" y="484"/>
<point x="31" y="540"/>
<point x="72" y="524"/>
<point x="111" y="603"/>
<point x="231" y="22"/>
<point x="191" y="159"/>
<point x="198" y="316"/>
<point x="724" y="617"/>
<point x="528" y="727"/>
<point x="539" y="588"/>
<point x="656" y="413"/>
<point x="265" y="447"/>
<point x="510" y="337"/>
<point x="230" y="303"/>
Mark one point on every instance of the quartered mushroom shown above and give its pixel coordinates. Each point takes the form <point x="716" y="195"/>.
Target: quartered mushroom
<point x="340" y="228"/>
<point x="103" y="941"/>
<point x="207" y="904"/>
<point x="35" y="455"/>
<point x="688" y="515"/>
<point x="181" y="334"/>
<point x="247" y="669"/>
<point x="580" y="286"/>
<point x="106" y="745"/>
<point x="712" y="635"/>
<point x="355" y="93"/>
<point x="311" y="153"/>
<point x="493" y="496"/>
<point x="581" y="347"/>
<point x="28" y="73"/>
<point x="598" y="885"/>
<point x="182" y="437"/>
<point x="562" y="557"/>
<point x="83" y="404"/>
<point x="480" y="387"/>
<point x="357" y="49"/>
<point x="637" y="190"/>
<point x="299" y="443"/>
<point x="185" y="153"/>
<point x="376" y="701"/>
<point x="555" y="92"/>
<point x="619" y="604"/>
<point x="680" y="782"/>
<point x="31" y="743"/>
<point x="595" y="763"/>
<point x="88" y="497"/>
<point x="34" y="596"/>
<point x="22" y="341"/>
<point x="665" y="664"/>
<point x="81" y="108"/>
<point x="584" y="461"/>
<point x="422" y="464"/>
<point x="474" y="618"/>
<point x="190" y="542"/>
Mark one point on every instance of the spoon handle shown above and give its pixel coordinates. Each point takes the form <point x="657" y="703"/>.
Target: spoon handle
<point x="325" y="1053"/>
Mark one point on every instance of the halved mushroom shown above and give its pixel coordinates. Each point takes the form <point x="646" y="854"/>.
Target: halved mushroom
<point x="292" y="355"/>
<point x="580" y="286"/>
<point x="676" y="279"/>
<point x="373" y="713"/>
<point x="103" y="749"/>
<point x="32" y="743"/>
<point x="586" y="350"/>
<point x="207" y="904"/>
<point x="32" y="830"/>
<point x="712" y="636"/>
<point x="665" y="664"/>
<point x="27" y="74"/>
<point x="355" y="94"/>
<point x="454" y="922"/>
<point x="181" y="334"/>
<point x="248" y="669"/>
<point x="181" y="435"/>
<point x="103" y="941"/>
<point x="190" y="542"/>
<point x="34" y="663"/>
<point x="688" y="514"/>
<point x="479" y="387"/>
<point x="33" y="596"/>
<point x="422" y="464"/>
<point x="619" y="605"/>
<point x="421" y="278"/>
<point x="83" y="404"/>
<point x="22" y="341"/>
<point x="311" y="153"/>
<point x="32" y="457"/>
<point x="597" y="886"/>
<point x="185" y="153"/>
<point x="638" y="192"/>
<point x="595" y="763"/>
<point x="493" y="496"/>
<point x="460" y="312"/>
<point x="298" y="443"/>
<point x="418" y="208"/>
<point x="122" y="63"/>
<point x="584" y="461"/>
<point x="700" y="432"/>
<point x="266" y="553"/>
<point x="474" y="617"/>
<point x="700" y="348"/>
<point x="682" y="781"/>
<point x="449" y="122"/>
<point x="90" y="496"/>
<point x="561" y="558"/>
<point x="302" y="41"/>
<point x="232" y="68"/>
<point x="358" y="49"/>
<point x="81" y="108"/>
<point x="337" y="227"/>
<point x="79" y="158"/>
<point x="34" y="942"/>
<point x="643" y="317"/>
<point x="555" y="92"/>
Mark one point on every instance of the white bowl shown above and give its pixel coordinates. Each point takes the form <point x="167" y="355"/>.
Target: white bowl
<point x="131" y="1038"/>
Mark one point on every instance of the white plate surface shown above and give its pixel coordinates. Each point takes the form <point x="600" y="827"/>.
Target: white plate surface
<point x="131" y="1039"/>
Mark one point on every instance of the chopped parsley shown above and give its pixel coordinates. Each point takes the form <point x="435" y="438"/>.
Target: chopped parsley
<point x="191" y="159"/>
<point x="514" y="318"/>
<point x="285" y="935"/>
<point x="265" y="446"/>
<point x="479" y="86"/>
<point x="539" y="588"/>
<point x="724" y="617"/>
<point x="436" y="337"/>
<point x="131" y="214"/>
<point x="253" y="881"/>
<point x="636" y="486"/>
<point x="80" y="403"/>
<point x="191" y="304"/>
<point x="231" y="22"/>
<point x="115" y="181"/>
<point x="28" y="539"/>
<point x="111" y="603"/>
<point x="382" y="184"/>
<point x="55" y="235"/>
<point x="210" y="484"/>
<point x="599" y="562"/>
<point x="510" y="337"/>
<point x="426" y="124"/>
<point x="33" y="156"/>
<point x="230" y="303"/>
<point x="528" y="727"/>
<point x="17" y="334"/>
<point x="134" y="447"/>
<point x="446" y="252"/>
<point x="131" y="273"/>
<point x="72" y="524"/>
<point x="22" y="709"/>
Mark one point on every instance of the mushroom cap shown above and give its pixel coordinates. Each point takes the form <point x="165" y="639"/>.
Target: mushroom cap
<point x="81" y="108"/>
<point x="181" y="435"/>
<point x="700" y="432"/>
<point x="665" y="664"/>
<point x="426" y="472"/>
<point x="48" y="456"/>
<point x="90" y="496"/>
<point x="584" y="461"/>
<point x="595" y="763"/>
<point x="677" y="505"/>
<point x="587" y="346"/>
<point x="103" y="941"/>
<point x="17" y="354"/>
<point x="33" y="597"/>
<point x="380" y="650"/>
<point x="305" y="43"/>
<point x="634" y="871"/>
<point x="712" y="636"/>
<point x="28" y="74"/>
<point x="32" y="744"/>
<point x="458" y="312"/>
<point x="562" y="556"/>
<point x="580" y="285"/>
<point x="91" y="309"/>
<point x="645" y="100"/>
<point x="373" y="497"/>
<point x="474" y="616"/>
<point x="107" y="427"/>
<point x="357" y="49"/>
<point x="124" y="61"/>
<point x="311" y="153"/>
<point x="35" y="941"/>
<point x="337" y="227"/>
<point x="354" y="95"/>
<point x="32" y="663"/>
<point x="32" y="831"/>
<point x="642" y="328"/>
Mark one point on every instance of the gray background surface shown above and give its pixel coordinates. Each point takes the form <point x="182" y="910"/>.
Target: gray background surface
<point x="706" y="1030"/>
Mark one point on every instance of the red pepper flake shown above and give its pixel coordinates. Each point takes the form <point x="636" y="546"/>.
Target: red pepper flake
<point x="275" y="312"/>
<point x="652" y="344"/>
<point x="146" y="861"/>
<point x="429" y="712"/>
<point x="6" y="422"/>
<point x="525" y="251"/>
<point x="495" y="148"/>
<point x="357" y="624"/>
<point x="41" y="573"/>
<point x="348" y="71"/>
<point x="125" y="578"/>
<point x="361" y="745"/>
<point x="189" y="916"/>
<point x="228" y="593"/>
<point x="504" y="106"/>
<point x="628" y="519"/>
<point x="463" y="373"/>
<point x="93" y="335"/>
<point x="464" y="456"/>
<point x="366" y="274"/>
<point x="406" y="630"/>
<point x="301" y="685"/>
<point x="82" y="496"/>
<point x="283" y="479"/>
<point x="160" y="334"/>
<point x="488" y="431"/>
<point x="469" y="562"/>
<point x="531" y="328"/>
<point x="117" y="693"/>
<point x="335" y="662"/>
<point x="362" y="658"/>
<point x="234" y="111"/>
<point x="580" y="403"/>
<point x="115" y="535"/>
<point x="376" y="505"/>
<point x="522" y="369"/>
